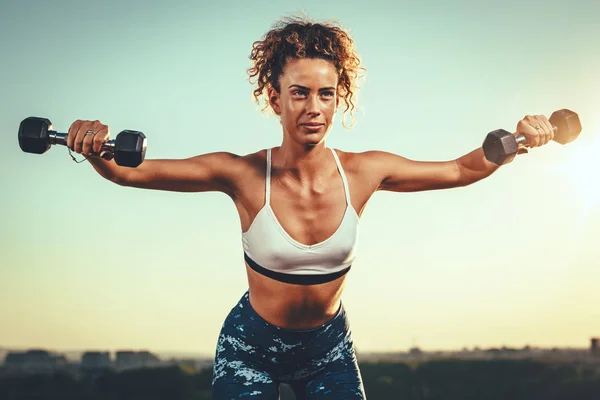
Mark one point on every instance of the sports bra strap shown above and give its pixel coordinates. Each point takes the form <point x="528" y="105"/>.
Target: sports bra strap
<point x="268" y="180"/>
<point x="343" y="175"/>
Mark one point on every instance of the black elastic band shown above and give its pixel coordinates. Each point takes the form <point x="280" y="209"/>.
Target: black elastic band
<point x="295" y="279"/>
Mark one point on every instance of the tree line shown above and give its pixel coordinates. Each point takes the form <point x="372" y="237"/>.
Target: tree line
<point x="431" y="380"/>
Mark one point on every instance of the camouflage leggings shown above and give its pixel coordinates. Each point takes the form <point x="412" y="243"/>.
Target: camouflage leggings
<point x="253" y="357"/>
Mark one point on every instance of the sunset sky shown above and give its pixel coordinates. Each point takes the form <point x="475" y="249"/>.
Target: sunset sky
<point x="512" y="260"/>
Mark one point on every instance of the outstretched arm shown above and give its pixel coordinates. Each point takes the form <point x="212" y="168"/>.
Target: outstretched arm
<point x="203" y="173"/>
<point x="399" y="174"/>
<point x="218" y="171"/>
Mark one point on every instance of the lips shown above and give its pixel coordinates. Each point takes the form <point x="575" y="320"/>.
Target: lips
<point x="312" y="128"/>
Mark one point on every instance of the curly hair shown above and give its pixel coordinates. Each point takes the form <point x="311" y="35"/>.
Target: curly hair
<point x="296" y="38"/>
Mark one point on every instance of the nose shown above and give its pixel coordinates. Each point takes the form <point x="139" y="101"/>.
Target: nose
<point x="312" y="105"/>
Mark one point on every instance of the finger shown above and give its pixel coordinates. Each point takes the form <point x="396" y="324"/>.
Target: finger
<point x="107" y="155"/>
<point x="83" y="128"/>
<point x="88" y="140"/>
<point x="72" y="133"/>
<point x="531" y="120"/>
<point x="534" y="126"/>
<point x="100" y="138"/>
<point x="538" y="131"/>
<point x="549" y="127"/>
<point x="541" y="130"/>
<point x="525" y="128"/>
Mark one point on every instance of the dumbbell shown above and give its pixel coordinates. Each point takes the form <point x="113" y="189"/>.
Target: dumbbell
<point x="128" y="148"/>
<point x="501" y="147"/>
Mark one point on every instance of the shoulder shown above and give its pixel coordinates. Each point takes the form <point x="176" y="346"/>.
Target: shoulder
<point x="366" y="169"/>
<point x="258" y="159"/>
<point x="246" y="167"/>
<point x="368" y="161"/>
<point x="382" y="170"/>
<point x="243" y="162"/>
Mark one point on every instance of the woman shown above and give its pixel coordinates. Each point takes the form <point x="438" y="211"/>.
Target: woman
<point x="299" y="206"/>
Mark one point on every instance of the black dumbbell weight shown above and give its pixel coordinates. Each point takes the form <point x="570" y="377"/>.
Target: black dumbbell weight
<point x="501" y="147"/>
<point x="128" y="148"/>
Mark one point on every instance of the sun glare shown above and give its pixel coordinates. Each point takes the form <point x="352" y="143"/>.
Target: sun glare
<point x="582" y="169"/>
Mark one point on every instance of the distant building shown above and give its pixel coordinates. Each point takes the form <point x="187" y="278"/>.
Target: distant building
<point x="127" y="359"/>
<point x="415" y="352"/>
<point x="93" y="360"/>
<point x="595" y="346"/>
<point x="14" y="361"/>
<point x="124" y="359"/>
<point x="34" y="360"/>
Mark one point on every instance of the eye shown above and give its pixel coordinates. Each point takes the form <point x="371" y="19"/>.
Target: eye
<point x="299" y="92"/>
<point x="327" y="94"/>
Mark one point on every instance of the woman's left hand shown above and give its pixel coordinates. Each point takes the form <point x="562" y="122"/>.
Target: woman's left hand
<point x="537" y="130"/>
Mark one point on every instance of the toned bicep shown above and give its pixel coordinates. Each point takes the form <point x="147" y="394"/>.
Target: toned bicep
<point x="399" y="174"/>
<point x="203" y="173"/>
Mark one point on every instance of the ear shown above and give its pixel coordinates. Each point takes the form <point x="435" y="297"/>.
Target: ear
<point x="274" y="100"/>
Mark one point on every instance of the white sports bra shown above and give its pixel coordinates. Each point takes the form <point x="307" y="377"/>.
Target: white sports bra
<point x="271" y="251"/>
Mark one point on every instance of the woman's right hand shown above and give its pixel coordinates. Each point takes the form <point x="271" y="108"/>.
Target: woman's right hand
<point x="87" y="137"/>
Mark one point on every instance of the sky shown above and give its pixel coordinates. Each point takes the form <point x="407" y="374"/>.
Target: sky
<point x="509" y="261"/>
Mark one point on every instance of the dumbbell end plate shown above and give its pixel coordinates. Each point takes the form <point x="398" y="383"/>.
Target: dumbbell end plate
<point x="500" y="147"/>
<point x="130" y="148"/>
<point x="568" y="126"/>
<point x="33" y="135"/>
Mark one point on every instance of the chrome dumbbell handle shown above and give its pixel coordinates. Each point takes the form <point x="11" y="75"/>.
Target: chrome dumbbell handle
<point x="61" y="138"/>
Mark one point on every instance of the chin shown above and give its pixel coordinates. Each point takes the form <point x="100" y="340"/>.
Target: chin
<point x="314" y="141"/>
<point x="308" y="139"/>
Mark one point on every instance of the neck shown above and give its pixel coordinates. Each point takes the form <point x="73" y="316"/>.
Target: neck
<point x="304" y="163"/>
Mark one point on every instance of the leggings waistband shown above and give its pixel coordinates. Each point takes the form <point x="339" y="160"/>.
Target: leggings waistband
<point x="244" y="306"/>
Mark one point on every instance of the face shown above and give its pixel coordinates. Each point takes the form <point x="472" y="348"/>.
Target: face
<point x="307" y="101"/>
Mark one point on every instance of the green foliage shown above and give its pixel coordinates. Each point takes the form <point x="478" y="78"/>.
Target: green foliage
<point x="433" y="380"/>
<point x="482" y="379"/>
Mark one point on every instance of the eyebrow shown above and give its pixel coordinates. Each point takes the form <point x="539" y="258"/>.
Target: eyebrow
<point x="308" y="89"/>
